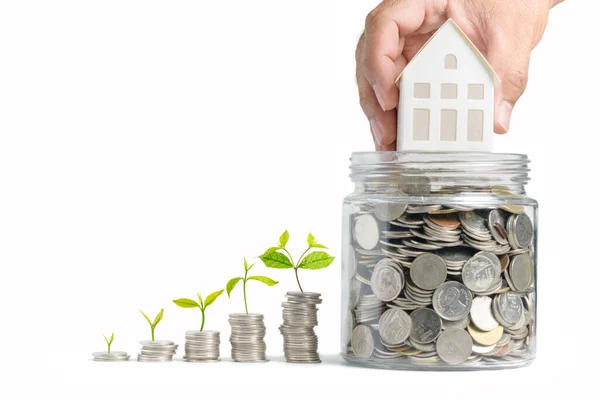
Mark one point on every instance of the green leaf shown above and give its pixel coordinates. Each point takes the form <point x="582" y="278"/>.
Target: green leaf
<point x="186" y="303"/>
<point x="112" y="337"/>
<point x="310" y="240"/>
<point x="271" y="250"/>
<point x="245" y="264"/>
<point x="319" y="246"/>
<point x="276" y="260"/>
<point x="200" y="300"/>
<point x="316" y="260"/>
<point x="212" y="297"/>
<point x="284" y="238"/>
<point x="263" y="279"/>
<point x="231" y="284"/>
<point x="145" y="316"/>
<point x="159" y="316"/>
<point x="105" y="339"/>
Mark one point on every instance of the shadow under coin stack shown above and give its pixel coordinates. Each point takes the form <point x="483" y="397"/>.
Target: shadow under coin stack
<point x="300" y="343"/>
<point x="442" y="285"/>
<point x="202" y="346"/>
<point x="248" y="337"/>
<point x="157" y="351"/>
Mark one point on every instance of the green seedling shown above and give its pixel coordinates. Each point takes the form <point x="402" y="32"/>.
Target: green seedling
<point x="189" y="303"/>
<point x="109" y="341"/>
<point x="280" y="257"/>
<point x="158" y="318"/>
<point x="233" y="281"/>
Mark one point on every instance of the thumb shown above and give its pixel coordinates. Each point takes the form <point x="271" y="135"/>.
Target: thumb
<point x="509" y="55"/>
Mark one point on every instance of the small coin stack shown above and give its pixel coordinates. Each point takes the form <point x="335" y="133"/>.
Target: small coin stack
<point x="300" y="343"/>
<point x="113" y="356"/>
<point x="248" y="337"/>
<point x="441" y="284"/>
<point x="202" y="346"/>
<point x="157" y="351"/>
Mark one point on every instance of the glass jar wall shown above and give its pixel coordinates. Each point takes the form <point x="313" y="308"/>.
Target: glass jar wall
<point x="439" y="261"/>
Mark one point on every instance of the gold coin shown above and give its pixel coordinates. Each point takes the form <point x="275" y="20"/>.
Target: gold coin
<point x="513" y="208"/>
<point x="486" y="338"/>
<point x="412" y="352"/>
<point x="442" y="211"/>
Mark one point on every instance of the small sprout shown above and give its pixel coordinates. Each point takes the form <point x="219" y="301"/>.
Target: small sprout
<point x="189" y="303"/>
<point x="280" y="257"/>
<point x="233" y="281"/>
<point x="109" y="341"/>
<point x="157" y="319"/>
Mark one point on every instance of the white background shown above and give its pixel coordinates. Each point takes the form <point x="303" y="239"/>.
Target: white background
<point x="146" y="147"/>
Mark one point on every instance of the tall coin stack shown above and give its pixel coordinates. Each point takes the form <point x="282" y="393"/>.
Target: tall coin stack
<point x="248" y="337"/>
<point x="202" y="346"/>
<point x="157" y="351"/>
<point x="300" y="343"/>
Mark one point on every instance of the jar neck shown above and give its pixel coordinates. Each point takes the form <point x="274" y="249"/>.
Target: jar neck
<point x="421" y="173"/>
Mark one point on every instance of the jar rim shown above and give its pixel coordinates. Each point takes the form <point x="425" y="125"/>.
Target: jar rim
<point x="383" y="157"/>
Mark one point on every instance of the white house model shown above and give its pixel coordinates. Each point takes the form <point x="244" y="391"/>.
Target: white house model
<point x="446" y="96"/>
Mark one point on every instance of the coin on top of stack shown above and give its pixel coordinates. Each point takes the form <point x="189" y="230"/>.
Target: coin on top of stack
<point x="248" y="337"/>
<point x="201" y="346"/>
<point x="300" y="343"/>
<point x="156" y="351"/>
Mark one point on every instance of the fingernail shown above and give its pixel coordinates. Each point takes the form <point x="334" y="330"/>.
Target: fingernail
<point x="504" y="112"/>
<point x="377" y="131"/>
<point x="380" y="97"/>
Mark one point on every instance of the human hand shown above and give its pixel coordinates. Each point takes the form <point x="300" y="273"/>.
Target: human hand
<point x="505" y="31"/>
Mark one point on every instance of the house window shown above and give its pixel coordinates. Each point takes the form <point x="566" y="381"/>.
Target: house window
<point x="450" y="61"/>
<point x="475" y="126"/>
<point x="448" y="126"/>
<point x="475" y="91"/>
<point x="449" y="91"/>
<point x="422" y="91"/>
<point x="420" y="124"/>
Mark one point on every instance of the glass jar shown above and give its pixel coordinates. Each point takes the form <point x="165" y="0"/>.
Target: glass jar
<point x="439" y="262"/>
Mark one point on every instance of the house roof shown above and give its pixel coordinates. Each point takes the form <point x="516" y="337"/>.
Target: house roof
<point x="466" y="38"/>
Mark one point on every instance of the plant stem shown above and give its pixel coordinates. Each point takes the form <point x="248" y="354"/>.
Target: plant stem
<point x="302" y="256"/>
<point x="202" y="326"/>
<point x="298" y="280"/>
<point x="152" y="328"/>
<point x="245" y="301"/>
<point x="289" y="255"/>
<point x="109" y="348"/>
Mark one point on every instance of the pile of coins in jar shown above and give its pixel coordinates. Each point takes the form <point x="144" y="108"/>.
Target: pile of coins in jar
<point x="447" y="285"/>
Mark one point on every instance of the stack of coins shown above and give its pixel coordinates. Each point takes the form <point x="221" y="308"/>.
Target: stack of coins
<point x="113" y="356"/>
<point x="248" y="337"/>
<point x="157" y="351"/>
<point x="300" y="343"/>
<point x="202" y="346"/>
<point x="441" y="284"/>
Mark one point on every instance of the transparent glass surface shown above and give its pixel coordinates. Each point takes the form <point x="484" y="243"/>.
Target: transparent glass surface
<point x="439" y="262"/>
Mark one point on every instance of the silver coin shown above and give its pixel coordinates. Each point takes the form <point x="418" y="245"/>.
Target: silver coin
<point x="426" y="325"/>
<point x="523" y="231"/>
<point x="472" y="221"/>
<point x="454" y="346"/>
<point x="362" y="341"/>
<point x="366" y="231"/>
<point x="521" y="271"/>
<point x="452" y="301"/>
<point x="460" y="324"/>
<point x="389" y="211"/>
<point x="481" y="314"/>
<point x="509" y="307"/>
<point x="428" y="271"/>
<point x="394" y="326"/>
<point x="386" y="281"/>
<point x="497" y="226"/>
<point x="481" y="271"/>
